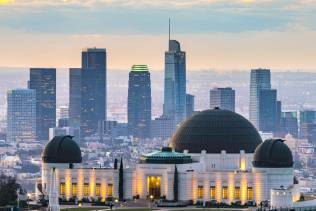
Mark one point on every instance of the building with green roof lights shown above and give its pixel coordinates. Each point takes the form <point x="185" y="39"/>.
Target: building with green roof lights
<point x="139" y="68"/>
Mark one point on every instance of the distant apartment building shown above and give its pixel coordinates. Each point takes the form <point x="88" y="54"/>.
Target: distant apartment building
<point x="223" y="98"/>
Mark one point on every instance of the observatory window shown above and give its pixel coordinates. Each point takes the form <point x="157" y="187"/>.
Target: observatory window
<point x="74" y="189"/>
<point x="110" y="189"/>
<point x="237" y="192"/>
<point x="98" y="189"/>
<point x="225" y="192"/>
<point x="62" y="189"/>
<point x="212" y="192"/>
<point x="86" y="189"/>
<point x="200" y="192"/>
<point x="249" y="193"/>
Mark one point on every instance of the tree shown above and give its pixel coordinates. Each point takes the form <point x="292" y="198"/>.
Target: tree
<point x="175" y="184"/>
<point x="8" y="190"/>
<point x="121" y="189"/>
<point x="115" y="163"/>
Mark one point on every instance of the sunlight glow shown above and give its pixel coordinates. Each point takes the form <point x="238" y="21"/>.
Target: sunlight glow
<point x="5" y="2"/>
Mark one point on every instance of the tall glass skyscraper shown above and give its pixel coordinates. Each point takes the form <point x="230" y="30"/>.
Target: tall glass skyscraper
<point x="43" y="81"/>
<point x="175" y="82"/>
<point x="74" y="97"/>
<point x="21" y="115"/>
<point x="223" y="98"/>
<point x="139" y="102"/>
<point x="268" y="110"/>
<point x="259" y="79"/>
<point x="93" y="90"/>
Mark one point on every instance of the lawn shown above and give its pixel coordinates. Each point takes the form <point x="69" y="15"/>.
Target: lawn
<point x="145" y="209"/>
<point x="99" y="208"/>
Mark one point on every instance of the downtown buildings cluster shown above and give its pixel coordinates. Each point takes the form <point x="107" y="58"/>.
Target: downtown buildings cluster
<point x="31" y="113"/>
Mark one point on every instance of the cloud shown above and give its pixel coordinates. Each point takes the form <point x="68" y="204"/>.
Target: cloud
<point x="150" y="16"/>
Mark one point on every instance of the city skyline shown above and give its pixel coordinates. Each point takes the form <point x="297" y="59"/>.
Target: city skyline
<point x="241" y="27"/>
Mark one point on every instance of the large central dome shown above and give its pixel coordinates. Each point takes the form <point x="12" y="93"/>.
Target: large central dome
<point x="216" y="130"/>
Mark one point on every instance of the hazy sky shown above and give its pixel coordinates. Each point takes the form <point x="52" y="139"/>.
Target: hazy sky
<point x="220" y="34"/>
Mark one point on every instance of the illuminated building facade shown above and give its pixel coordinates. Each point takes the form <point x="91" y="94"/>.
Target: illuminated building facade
<point x="219" y="156"/>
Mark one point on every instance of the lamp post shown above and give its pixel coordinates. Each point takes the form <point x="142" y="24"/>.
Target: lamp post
<point x="151" y="201"/>
<point x="116" y="202"/>
<point x="28" y="201"/>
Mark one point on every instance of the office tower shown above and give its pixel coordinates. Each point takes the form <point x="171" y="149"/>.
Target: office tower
<point x="259" y="79"/>
<point x="74" y="96"/>
<point x="175" y="82"/>
<point x="43" y="81"/>
<point x="306" y="117"/>
<point x="162" y="127"/>
<point x="289" y="123"/>
<point x="190" y="105"/>
<point x="267" y="110"/>
<point x="21" y="115"/>
<point x="93" y="90"/>
<point x="224" y="98"/>
<point x="308" y="131"/>
<point x="139" y="102"/>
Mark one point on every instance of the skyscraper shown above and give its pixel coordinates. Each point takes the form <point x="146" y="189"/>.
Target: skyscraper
<point x="139" y="102"/>
<point x="175" y="82"/>
<point x="307" y="117"/>
<point x="43" y="81"/>
<point x="93" y="90"/>
<point x="259" y="79"/>
<point x="190" y="105"/>
<point x="74" y="97"/>
<point x="289" y="123"/>
<point x="223" y="98"/>
<point x="21" y="115"/>
<point x="267" y="110"/>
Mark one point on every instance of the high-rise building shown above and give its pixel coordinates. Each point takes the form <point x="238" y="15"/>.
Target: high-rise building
<point x="259" y="79"/>
<point x="190" y="105"/>
<point x="306" y="117"/>
<point x="224" y="98"/>
<point x="43" y="81"/>
<point x="289" y="123"/>
<point x="21" y="115"/>
<point x="93" y="90"/>
<point x="139" y="102"/>
<point x="267" y="110"/>
<point x="74" y="97"/>
<point x="175" y="82"/>
<point x="162" y="127"/>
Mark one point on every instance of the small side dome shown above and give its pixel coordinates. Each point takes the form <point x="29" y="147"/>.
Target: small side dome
<point x="62" y="149"/>
<point x="273" y="153"/>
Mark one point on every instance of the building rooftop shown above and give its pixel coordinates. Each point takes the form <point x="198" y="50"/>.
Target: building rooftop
<point x="166" y="156"/>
